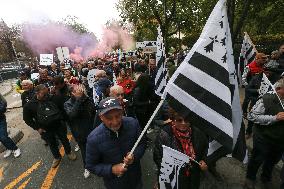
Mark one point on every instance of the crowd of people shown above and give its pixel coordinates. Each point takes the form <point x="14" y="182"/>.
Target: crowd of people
<point x="264" y="116"/>
<point x="106" y="117"/>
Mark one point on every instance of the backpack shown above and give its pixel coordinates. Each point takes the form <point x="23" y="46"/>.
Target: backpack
<point x="47" y="113"/>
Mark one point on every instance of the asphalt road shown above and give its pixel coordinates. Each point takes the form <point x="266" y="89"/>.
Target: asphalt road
<point x="33" y="168"/>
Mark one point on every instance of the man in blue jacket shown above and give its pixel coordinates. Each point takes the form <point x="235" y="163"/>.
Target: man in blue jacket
<point x="108" y="148"/>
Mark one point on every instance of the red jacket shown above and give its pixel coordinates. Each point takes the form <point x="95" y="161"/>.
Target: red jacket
<point x="254" y="68"/>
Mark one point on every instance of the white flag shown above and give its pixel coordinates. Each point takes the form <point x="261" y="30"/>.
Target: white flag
<point x="265" y="87"/>
<point x="161" y="76"/>
<point x="172" y="162"/>
<point x="247" y="55"/>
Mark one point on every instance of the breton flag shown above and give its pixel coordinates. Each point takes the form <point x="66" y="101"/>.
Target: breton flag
<point x="266" y="87"/>
<point x="171" y="164"/>
<point x="161" y="76"/>
<point x="240" y="152"/>
<point x="200" y="89"/>
<point x="247" y="55"/>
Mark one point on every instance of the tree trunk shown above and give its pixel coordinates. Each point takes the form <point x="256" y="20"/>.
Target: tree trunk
<point x="241" y="21"/>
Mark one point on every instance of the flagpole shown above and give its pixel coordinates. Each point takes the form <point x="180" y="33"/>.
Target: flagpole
<point x="145" y="129"/>
<point x="147" y="125"/>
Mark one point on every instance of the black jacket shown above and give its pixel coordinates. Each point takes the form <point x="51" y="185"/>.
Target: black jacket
<point x="200" y="145"/>
<point x="274" y="133"/>
<point x="30" y="113"/>
<point x="27" y="96"/>
<point x="81" y="113"/>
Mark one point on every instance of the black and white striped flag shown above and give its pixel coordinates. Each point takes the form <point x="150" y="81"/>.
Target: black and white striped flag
<point x="200" y="87"/>
<point x="240" y="152"/>
<point x="161" y="76"/>
<point x="247" y="55"/>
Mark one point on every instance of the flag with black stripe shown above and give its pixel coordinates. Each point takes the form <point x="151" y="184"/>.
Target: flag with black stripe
<point x="200" y="88"/>
<point x="247" y="55"/>
<point x="240" y="152"/>
<point x="161" y="76"/>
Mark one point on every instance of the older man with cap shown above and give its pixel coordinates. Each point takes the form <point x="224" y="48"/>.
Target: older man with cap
<point x="108" y="148"/>
<point x="268" y="136"/>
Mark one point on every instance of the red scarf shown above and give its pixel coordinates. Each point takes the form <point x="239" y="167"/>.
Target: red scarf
<point x="184" y="137"/>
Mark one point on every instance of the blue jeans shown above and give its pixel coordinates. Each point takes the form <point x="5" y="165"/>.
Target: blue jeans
<point x="4" y="138"/>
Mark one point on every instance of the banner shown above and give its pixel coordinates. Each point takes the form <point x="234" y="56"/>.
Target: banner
<point x="46" y="59"/>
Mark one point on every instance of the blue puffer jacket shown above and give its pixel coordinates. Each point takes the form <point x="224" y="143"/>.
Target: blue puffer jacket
<point x="106" y="148"/>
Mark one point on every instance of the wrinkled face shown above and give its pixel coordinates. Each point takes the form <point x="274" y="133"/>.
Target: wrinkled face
<point x="26" y="86"/>
<point x="41" y="95"/>
<point x="180" y="123"/>
<point x="118" y="94"/>
<point x="112" y="119"/>
<point x="280" y="92"/>
<point x="43" y="74"/>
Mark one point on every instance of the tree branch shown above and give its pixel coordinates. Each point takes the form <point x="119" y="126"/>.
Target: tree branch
<point x="174" y="32"/>
<point x="155" y="12"/>
<point x="173" y="11"/>
<point x="241" y="21"/>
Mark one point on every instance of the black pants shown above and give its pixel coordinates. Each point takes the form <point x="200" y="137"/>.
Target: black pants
<point x="282" y="174"/>
<point x="82" y="145"/>
<point x="59" y="131"/>
<point x="263" y="153"/>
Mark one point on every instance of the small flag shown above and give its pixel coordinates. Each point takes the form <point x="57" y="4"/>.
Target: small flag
<point x="172" y="162"/>
<point x="161" y="77"/>
<point x="265" y="87"/>
<point x="247" y="55"/>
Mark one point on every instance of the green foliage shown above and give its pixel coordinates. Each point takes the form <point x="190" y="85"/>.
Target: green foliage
<point x="257" y="17"/>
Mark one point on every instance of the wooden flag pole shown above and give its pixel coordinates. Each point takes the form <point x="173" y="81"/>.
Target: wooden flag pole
<point x="145" y="128"/>
<point x="147" y="125"/>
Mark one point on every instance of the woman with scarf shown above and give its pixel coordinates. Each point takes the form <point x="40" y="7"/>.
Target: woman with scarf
<point x="180" y="135"/>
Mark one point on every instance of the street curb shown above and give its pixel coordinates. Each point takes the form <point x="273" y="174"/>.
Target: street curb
<point x="15" y="134"/>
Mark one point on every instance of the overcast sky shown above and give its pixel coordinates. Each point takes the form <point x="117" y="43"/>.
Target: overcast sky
<point x="93" y="13"/>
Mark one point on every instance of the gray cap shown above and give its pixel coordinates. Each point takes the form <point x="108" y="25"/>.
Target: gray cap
<point x="108" y="104"/>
